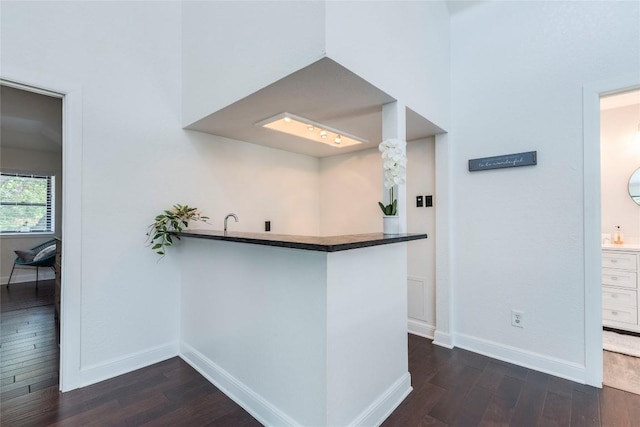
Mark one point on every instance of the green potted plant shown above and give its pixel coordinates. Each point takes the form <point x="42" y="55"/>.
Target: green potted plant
<point x="168" y="224"/>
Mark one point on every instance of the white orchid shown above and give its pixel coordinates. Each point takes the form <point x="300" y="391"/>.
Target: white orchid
<point x="394" y="164"/>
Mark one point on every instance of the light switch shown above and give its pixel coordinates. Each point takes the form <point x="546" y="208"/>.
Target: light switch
<point x="419" y="201"/>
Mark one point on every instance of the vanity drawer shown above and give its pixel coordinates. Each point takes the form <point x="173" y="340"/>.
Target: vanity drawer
<point x="624" y="315"/>
<point x="620" y="278"/>
<point x="619" y="260"/>
<point x="613" y="298"/>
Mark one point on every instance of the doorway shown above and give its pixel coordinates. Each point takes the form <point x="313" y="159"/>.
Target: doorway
<point x="620" y="161"/>
<point x="30" y="217"/>
<point x="592" y="199"/>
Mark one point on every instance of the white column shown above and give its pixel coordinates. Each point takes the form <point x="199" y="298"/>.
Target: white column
<point x="444" y="244"/>
<point x="394" y="125"/>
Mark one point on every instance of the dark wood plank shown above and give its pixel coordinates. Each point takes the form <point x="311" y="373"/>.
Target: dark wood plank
<point x="498" y="413"/>
<point x="557" y="410"/>
<point x="529" y="406"/>
<point x="585" y="408"/>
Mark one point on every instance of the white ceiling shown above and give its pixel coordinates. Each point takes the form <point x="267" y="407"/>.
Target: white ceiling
<point x="620" y="100"/>
<point x="30" y="121"/>
<point x="324" y="92"/>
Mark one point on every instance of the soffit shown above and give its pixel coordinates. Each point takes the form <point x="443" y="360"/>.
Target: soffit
<point x="323" y="92"/>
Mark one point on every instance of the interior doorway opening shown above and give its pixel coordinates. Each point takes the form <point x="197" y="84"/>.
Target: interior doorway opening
<point x="592" y="219"/>
<point x="620" y="238"/>
<point x="31" y="201"/>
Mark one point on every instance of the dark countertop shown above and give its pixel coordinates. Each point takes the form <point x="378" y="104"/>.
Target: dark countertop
<point x="312" y="243"/>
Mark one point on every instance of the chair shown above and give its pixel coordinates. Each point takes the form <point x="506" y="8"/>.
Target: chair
<point x="47" y="259"/>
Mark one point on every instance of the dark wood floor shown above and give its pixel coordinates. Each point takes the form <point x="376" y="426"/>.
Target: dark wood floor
<point x="461" y="388"/>
<point x="451" y="387"/>
<point x="28" y="339"/>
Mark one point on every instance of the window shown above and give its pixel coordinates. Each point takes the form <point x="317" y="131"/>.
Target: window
<point x="27" y="203"/>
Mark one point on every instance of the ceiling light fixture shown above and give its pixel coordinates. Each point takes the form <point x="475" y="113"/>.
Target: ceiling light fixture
<point x="304" y="128"/>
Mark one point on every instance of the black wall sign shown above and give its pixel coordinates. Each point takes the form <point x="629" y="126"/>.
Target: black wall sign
<point x="505" y="161"/>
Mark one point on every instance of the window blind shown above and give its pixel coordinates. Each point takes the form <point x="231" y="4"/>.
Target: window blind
<point x="27" y="203"/>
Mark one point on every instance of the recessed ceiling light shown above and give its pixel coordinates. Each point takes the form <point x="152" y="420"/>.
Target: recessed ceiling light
<point x="304" y="128"/>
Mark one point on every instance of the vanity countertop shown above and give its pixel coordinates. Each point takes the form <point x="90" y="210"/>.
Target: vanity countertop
<point x="313" y="243"/>
<point x="623" y="247"/>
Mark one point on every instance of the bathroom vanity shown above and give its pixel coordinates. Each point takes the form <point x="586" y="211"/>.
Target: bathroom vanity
<point x="620" y="286"/>
<point x="299" y="330"/>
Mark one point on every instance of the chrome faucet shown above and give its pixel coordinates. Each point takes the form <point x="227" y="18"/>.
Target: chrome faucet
<point x="226" y="218"/>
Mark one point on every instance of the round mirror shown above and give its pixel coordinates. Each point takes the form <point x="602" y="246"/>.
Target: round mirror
<point x="634" y="186"/>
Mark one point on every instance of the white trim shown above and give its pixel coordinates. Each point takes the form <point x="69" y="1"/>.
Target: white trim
<point x="528" y="359"/>
<point x="249" y="400"/>
<point x="592" y="220"/>
<point x="268" y="414"/>
<point x="29" y="88"/>
<point x="444" y="243"/>
<point x="421" y="328"/>
<point x="384" y="405"/>
<point x="443" y="339"/>
<point x="71" y="300"/>
<point x="122" y="365"/>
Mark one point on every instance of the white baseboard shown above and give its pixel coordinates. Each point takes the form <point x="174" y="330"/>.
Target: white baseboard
<point x="421" y="328"/>
<point x="269" y="415"/>
<point x="443" y="339"/>
<point x="22" y="276"/>
<point x="102" y="371"/>
<point x="528" y="359"/>
<point x="388" y="401"/>
<point x="253" y="403"/>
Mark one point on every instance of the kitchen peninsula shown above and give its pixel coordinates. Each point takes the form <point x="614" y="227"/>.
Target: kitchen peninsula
<point x="299" y="330"/>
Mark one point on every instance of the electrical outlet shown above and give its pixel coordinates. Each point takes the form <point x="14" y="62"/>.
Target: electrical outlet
<point x="517" y="318"/>
<point x="267" y="226"/>
<point x="428" y="201"/>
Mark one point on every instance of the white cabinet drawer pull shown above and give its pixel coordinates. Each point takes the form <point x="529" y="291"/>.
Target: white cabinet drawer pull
<point x="614" y="295"/>
<point x="615" y="313"/>
<point x="614" y="278"/>
<point x="613" y="261"/>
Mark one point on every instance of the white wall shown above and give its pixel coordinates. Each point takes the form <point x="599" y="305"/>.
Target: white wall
<point x="421" y="253"/>
<point x="402" y="47"/>
<point x="125" y="57"/>
<point x="518" y="69"/>
<point x="232" y="49"/>
<point x="36" y="162"/>
<point x="350" y="188"/>
<point x="620" y="157"/>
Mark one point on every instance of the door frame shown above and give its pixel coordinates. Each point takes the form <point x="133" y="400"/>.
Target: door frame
<point x="592" y="218"/>
<point x="70" y="298"/>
